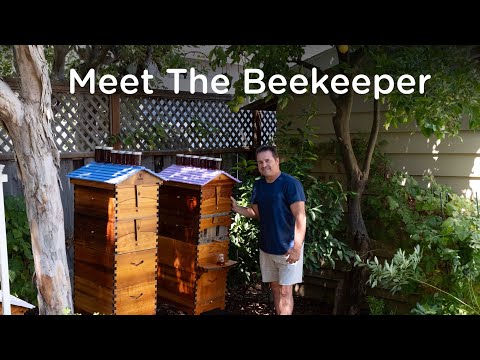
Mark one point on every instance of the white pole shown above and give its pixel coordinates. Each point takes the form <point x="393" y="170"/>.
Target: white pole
<point x="5" y="280"/>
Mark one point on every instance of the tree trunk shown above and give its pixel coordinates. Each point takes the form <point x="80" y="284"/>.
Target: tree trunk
<point x="28" y="122"/>
<point x="353" y="289"/>
<point x="357" y="231"/>
<point x="354" y="284"/>
<point x="58" y="68"/>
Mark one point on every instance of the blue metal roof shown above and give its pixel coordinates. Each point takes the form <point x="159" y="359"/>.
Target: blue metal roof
<point x="107" y="173"/>
<point x="192" y="175"/>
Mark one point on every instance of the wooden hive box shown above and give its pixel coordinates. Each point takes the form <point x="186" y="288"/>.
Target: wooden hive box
<point x="194" y="218"/>
<point x="115" y="239"/>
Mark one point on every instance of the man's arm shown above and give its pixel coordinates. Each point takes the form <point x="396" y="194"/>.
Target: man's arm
<point x="250" y="212"/>
<point x="298" y="211"/>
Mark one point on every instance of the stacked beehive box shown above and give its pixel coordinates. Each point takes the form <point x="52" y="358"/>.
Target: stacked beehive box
<point x="115" y="239"/>
<point x="194" y="218"/>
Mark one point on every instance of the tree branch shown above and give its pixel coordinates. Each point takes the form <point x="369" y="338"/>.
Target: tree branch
<point x="33" y="71"/>
<point x="93" y="57"/>
<point x="11" y="108"/>
<point x="99" y="55"/>
<point x="36" y="89"/>
<point x="59" y="54"/>
<point x="341" y="124"/>
<point x="373" y="139"/>
<point x="148" y="60"/>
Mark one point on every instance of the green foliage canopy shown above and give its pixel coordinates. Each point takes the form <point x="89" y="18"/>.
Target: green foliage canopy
<point x="451" y="93"/>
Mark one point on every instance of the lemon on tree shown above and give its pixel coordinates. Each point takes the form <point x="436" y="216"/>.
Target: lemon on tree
<point x="342" y="48"/>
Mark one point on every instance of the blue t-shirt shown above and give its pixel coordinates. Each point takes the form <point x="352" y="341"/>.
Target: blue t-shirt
<point x="277" y="223"/>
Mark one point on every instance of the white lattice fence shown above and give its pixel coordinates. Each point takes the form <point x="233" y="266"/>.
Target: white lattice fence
<point x="149" y="123"/>
<point x="82" y="121"/>
<point x="269" y="126"/>
<point x="6" y="145"/>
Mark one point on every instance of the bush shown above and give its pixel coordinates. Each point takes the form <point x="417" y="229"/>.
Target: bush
<point x="20" y="258"/>
<point x="244" y="231"/>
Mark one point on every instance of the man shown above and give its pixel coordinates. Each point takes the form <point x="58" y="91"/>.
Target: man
<point x="278" y="201"/>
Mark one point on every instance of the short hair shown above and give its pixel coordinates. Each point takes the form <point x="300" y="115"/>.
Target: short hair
<point x="271" y="148"/>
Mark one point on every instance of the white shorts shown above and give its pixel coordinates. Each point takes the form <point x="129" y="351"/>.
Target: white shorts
<point x="275" y="268"/>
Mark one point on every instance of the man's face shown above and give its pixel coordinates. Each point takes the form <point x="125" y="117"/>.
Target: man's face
<point x="267" y="164"/>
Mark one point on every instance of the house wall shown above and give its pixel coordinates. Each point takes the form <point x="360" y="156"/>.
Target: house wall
<point x="453" y="161"/>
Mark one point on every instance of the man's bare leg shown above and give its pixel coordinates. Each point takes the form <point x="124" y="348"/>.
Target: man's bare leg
<point x="282" y="298"/>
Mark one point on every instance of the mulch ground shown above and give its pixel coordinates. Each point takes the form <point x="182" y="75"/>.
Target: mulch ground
<point x="254" y="300"/>
<point x="247" y="300"/>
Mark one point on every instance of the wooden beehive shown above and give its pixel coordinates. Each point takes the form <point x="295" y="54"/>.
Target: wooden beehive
<point x="194" y="218"/>
<point x="115" y="239"/>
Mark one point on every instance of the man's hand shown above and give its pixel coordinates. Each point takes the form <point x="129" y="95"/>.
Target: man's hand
<point x="235" y="206"/>
<point x="293" y="255"/>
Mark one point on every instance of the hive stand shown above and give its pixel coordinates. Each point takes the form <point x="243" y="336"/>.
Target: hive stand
<point x="115" y="239"/>
<point x="194" y="218"/>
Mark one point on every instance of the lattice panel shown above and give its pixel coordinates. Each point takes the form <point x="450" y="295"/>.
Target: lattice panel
<point x="152" y="123"/>
<point x="81" y="121"/>
<point x="269" y="126"/>
<point x="6" y="144"/>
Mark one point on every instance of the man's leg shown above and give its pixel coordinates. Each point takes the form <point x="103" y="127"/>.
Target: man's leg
<point x="288" y="275"/>
<point x="269" y="272"/>
<point x="282" y="298"/>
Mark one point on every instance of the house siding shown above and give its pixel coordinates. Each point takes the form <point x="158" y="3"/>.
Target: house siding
<point x="453" y="161"/>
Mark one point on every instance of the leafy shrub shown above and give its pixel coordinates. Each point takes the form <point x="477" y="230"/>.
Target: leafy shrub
<point x="324" y="201"/>
<point x="376" y="306"/>
<point x="20" y="258"/>
<point x="443" y="228"/>
<point x="244" y="231"/>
